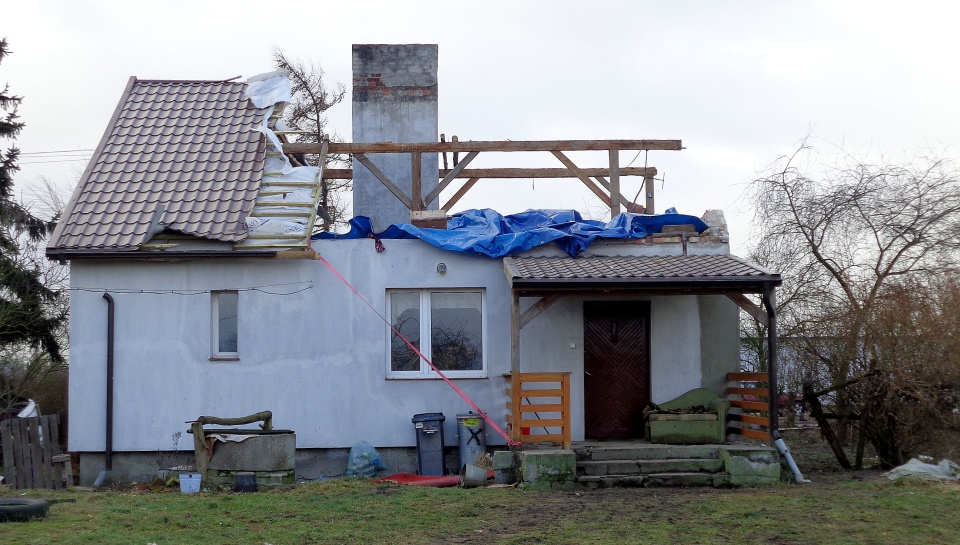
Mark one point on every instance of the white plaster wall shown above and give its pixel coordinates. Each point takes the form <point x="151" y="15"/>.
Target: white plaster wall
<point x="317" y="359"/>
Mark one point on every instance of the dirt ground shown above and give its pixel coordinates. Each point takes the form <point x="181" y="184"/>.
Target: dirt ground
<point x="813" y="456"/>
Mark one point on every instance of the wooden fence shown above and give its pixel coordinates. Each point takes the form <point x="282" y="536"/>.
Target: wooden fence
<point x="31" y="453"/>
<point x="538" y="409"/>
<point x="753" y="417"/>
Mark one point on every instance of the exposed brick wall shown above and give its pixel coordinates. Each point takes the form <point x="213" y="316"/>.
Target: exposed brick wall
<point x="401" y="73"/>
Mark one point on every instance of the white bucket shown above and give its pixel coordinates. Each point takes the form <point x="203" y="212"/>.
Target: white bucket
<point x="190" y="483"/>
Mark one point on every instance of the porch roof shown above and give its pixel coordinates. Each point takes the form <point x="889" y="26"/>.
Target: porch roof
<point x="683" y="273"/>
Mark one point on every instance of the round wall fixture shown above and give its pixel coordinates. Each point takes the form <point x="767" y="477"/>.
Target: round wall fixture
<point x="441" y="268"/>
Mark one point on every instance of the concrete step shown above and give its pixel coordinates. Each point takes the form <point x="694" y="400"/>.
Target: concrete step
<point x="653" y="480"/>
<point x="649" y="466"/>
<point x="644" y="451"/>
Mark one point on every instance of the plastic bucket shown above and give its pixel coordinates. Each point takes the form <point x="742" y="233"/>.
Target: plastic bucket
<point x="473" y="476"/>
<point x="190" y="483"/>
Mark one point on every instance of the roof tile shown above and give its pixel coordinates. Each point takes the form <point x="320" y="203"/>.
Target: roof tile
<point x="188" y="146"/>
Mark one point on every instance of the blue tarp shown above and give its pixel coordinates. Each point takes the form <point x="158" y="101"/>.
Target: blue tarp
<point x="488" y="233"/>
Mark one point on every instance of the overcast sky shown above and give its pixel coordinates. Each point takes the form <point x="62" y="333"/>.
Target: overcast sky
<point x="741" y="83"/>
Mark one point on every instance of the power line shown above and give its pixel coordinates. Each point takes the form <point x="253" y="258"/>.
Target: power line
<point x="23" y="153"/>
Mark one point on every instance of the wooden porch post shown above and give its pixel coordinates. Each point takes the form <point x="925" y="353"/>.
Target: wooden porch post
<point x="516" y="382"/>
<point x="648" y="190"/>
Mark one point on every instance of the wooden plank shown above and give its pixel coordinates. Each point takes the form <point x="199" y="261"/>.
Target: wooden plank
<point x="541" y="422"/>
<point x="751" y="405"/>
<point x="614" y="182"/>
<point x="542" y="408"/>
<point x="304" y="214"/>
<point x="606" y="185"/>
<point x="480" y="145"/>
<point x="21" y="452"/>
<point x="542" y="377"/>
<point x="460" y="193"/>
<point x="515" y="342"/>
<point x="749" y="391"/>
<point x="750" y="419"/>
<point x="515" y="399"/>
<point x="583" y="177"/>
<point x="749" y="306"/>
<point x="6" y="442"/>
<point x="397" y="192"/>
<point x="35" y="469"/>
<point x="747" y="377"/>
<point x="540" y="393"/>
<point x="755" y="434"/>
<point x="416" y="189"/>
<point x="538" y="307"/>
<point x="648" y="189"/>
<point x="449" y="177"/>
<point x="58" y="468"/>
<point x="276" y="236"/>
<point x="506" y="173"/>
<point x="46" y="451"/>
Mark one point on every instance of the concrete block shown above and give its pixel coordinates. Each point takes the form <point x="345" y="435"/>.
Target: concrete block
<point x="682" y="465"/>
<point x="548" y="466"/>
<point x="752" y="462"/>
<point x="275" y="452"/>
<point x="679" y="479"/>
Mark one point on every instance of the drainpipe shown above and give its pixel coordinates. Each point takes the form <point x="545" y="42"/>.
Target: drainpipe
<point x="769" y="301"/>
<point x="108" y="451"/>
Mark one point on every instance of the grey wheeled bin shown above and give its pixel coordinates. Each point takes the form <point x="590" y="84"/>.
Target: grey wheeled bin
<point x="429" y="428"/>
<point x="471" y="438"/>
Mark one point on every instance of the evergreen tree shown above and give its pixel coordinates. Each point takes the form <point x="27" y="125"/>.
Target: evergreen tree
<point x="26" y="317"/>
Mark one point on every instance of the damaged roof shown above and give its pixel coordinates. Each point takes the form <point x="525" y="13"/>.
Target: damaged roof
<point x="180" y="155"/>
<point x="681" y="272"/>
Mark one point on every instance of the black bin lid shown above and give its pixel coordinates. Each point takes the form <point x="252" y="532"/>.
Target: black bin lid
<point x="428" y="417"/>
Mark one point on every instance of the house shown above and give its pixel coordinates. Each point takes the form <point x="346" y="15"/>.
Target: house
<point x="194" y="279"/>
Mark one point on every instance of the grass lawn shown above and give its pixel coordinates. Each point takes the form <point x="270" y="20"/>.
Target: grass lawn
<point x="859" y="509"/>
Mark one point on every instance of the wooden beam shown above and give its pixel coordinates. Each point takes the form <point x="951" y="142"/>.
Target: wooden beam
<point x="583" y="177"/>
<point x="416" y="190"/>
<point x="538" y="307"/>
<point x="449" y="176"/>
<point x="509" y="173"/>
<point x="749" y="306"/>
<point x="496" y="145"/>
<point x="515" y="345"/>
<point x="606" y="185"/>
<point x="397" y="192"/>
<point x="648" y="190"/>
<point x="460" y="193"/>
<point x="614" y="182"/>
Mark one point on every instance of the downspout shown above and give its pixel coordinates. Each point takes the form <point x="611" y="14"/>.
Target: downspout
<point x="108" y="451"/>
<point x="769" y="302"/>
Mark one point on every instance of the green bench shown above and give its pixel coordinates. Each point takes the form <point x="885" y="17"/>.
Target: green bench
<point x="690" y="428"/>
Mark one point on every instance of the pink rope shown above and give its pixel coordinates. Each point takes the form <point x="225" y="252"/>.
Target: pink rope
<point x="439" y="373"/>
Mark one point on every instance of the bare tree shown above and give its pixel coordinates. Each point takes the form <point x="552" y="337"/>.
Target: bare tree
<point x="851" y="239"/>
<point x="308" y="112"/>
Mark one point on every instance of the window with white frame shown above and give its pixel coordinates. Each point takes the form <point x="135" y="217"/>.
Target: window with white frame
<point x="446" y="326"/>
<point x="223" y="325"/>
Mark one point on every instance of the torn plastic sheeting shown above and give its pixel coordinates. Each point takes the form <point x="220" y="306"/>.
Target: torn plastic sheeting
<point x="228" y="438"/>
<point x="270" y="88"/>
<point x="486" y="232"/>
<point x="944" y="471"/>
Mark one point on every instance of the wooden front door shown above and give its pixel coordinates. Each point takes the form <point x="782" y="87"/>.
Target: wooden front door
<point x="616" y="366"/>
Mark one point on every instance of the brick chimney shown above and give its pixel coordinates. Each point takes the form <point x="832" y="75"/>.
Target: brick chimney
<point x="394" y="100"/>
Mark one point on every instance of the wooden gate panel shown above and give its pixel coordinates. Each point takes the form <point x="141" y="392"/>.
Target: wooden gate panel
<point x="616" y="368"/>
<point x="31" y="450"/>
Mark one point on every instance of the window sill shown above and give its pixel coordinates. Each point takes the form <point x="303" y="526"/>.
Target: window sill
<point x="435" y="377"/>
<point x="224" y="358"/>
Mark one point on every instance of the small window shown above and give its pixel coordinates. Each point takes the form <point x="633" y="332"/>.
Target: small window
<point x="224" y="325"/>
<point x="447" y="327"/>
